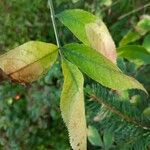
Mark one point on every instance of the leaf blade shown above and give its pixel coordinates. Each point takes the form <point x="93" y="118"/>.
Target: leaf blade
<point x="99" y="68"/>
<point x="146" y="42"/>
<point x="135" y="53"/>
<point x="94" y="136"/>
<point x="29" y="61"/>
<point x="90" y="30"/>
<point x="76" y="19"/>
<point x="72" y="105"/>
<point x="101" y="40"/>
<point x="130" y="37"/>
<point x="108" y="139"/>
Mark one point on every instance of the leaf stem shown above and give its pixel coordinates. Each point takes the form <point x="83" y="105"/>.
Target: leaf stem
<point x="134" y="11"/>
<point x="52" y="12"/>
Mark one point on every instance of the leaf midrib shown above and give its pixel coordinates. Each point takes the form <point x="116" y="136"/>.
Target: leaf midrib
<point x="94" y="62"/>
<point x="31" y="63"/>
<point x="74" y="79"/>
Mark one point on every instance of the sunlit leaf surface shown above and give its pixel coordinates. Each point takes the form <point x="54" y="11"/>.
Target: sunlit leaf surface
<point x="99" y="68"/>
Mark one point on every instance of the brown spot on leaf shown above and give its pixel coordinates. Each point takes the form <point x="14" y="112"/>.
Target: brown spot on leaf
<point x="27" y="74"/>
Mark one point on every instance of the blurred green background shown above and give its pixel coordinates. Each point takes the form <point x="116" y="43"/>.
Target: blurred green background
<point x="29" y="116"/>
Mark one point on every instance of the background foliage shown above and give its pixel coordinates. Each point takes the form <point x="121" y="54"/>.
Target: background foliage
<point x="30" y="116"/>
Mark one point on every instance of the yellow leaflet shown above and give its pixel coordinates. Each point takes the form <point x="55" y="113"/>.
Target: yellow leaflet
<point x="29" y="61"/>
<point x="72" y="105"/>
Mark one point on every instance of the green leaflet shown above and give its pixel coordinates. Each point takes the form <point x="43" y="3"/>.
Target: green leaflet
<point x="90" y="30"/>
<point x="29" y="61"/>
<point x="108" y="139"/>
<point x="146" y="42"/>
<point x="94" y="136"/>
<point x="135" y="53"/>
<point x="76" y="20"/>
<point x="72" y="105"/>
<point x="141" y="28"/>
<point x="99" y="68"/>
<point x="130" y="37"/>
<point x="146" y="112"/>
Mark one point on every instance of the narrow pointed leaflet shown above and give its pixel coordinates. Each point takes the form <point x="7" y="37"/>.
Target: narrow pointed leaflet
<point x="72" y="105"/>
<point x="99" y="68"/>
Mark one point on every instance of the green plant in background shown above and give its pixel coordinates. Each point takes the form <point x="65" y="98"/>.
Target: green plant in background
<point x="121" y="123"/>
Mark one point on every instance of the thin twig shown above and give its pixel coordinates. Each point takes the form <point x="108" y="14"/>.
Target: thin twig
<point x="52" y="12"/>
<point x="118" y="113"/>
<point x="133" y="11"/>
<point x="113" y="4"/>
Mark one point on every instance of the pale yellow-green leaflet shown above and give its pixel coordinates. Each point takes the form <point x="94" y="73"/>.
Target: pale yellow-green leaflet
<point x="29" y="61"/>
<point x="72" y="105"/>
<point x="101" y="40"/>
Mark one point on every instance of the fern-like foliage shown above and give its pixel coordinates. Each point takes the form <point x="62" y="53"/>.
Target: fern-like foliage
<point x="111" y="112"/>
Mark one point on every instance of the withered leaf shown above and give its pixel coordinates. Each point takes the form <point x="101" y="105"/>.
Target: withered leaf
<point x="28" y="62"/>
